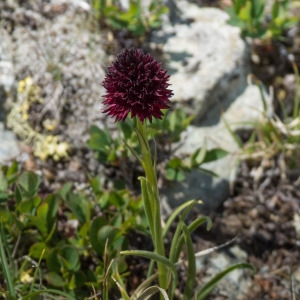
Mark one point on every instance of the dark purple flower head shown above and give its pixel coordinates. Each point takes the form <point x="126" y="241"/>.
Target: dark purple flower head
<point x="136" y="83"/>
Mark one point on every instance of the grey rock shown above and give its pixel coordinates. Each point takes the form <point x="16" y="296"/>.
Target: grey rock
<point x="213" y="191"/>
<point x="7" y="77"/>
<point x="9" y="148"/>
<point x="66" y="59"/>
<point x="76" y="3"/>
<point x="207" y="59"/>
<point x="209" y="64"/>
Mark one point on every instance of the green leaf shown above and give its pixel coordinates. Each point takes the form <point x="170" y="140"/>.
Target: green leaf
<point x="151" y="291"/>
<point x="199" y="155"/>
<point x="115" y="199"/>
<point x="40" y="220"/>
<point x="3" y="182"/>
<point x="174" y="169"/>
<point x="53" y="261"/>
<point x="28" y="205"/>
<point x="104" y="234"/>
<point x="6" y="268"/>
<point x="46" y="292"/>
<point x="64" y="190"/>
<point x="275" y="10"/>
<point x="208" y="172"/>
<point x="191" y="228"/>
<point x="3" y="197"/>
<point x="234" y="135"/>
<point x="170" y="174"/>
<point x="12" y="172"/>
<point x="191" y="271"/>
<point x="80" y="206"/>
<point x="215" y="154"/>
<point x="96" y="224"/>
<point x="153" y="256"/>
<point x="147" y="204"/>
<point x="176" y="212"/>
<point x="126" y="129"/>
<point x="122" y="290"/>
<point x="96" y="184"/>
<point x="69" y="257"/>
<point x="211" y="284"/>
<point x="52" y="202"/>
<point x="77" y="280"/>
<point x="238" y="5"/>
<point x="37" y="249"/>
<point x="257" y="9"/>
<point x="29" y="182"/>
<point x="55" y="279"/>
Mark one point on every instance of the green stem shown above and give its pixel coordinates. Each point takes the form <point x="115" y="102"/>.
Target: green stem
<point x="156" y="228"/>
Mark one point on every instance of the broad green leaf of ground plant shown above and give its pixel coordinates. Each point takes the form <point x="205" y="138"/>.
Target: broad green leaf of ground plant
<point x="175" y="169"/>
<point x="76" y="280"/>
<point x="79" y="205"/>
<point x="96" y="224"/>
<point x="101" y="142"/>
<point x="11" y="172"/>
<point x="69" y="257"/>
<point x="37" y="249"/>
<point x="55" y="279"/>
<point x="29" y="205"/>
<point x="29" y="183"/>
<point x="45" y="217"/>
<point x="101" y="232"/>
<point x="40" y="220"/>
<point x="63" y="259"/>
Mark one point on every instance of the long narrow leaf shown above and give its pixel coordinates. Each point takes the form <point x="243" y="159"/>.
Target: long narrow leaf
<point x="175" y="246"/>
<point x="121" y="289"/>
<point x="51" y="291"/>
<point x="153" y="256"/>
<point x="144" y="285"/>
<point x="232" y="133"/>
<point x="147" y="204"/>
<point x="5" y="267"/>
<point x="176" y="212"/>
<point x="149" y="292"/>
<point x="192" y="227"/>
<point x="211" y="284"/>
<point x="137" y="156"/>
<point x="191" y="272"/>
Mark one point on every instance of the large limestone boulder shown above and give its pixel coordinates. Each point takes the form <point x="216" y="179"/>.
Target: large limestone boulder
<point x="209" y="64"/>
<point x="206" y="57"/>
<point x="246" y="109"/>
<point x="9" y="148"/>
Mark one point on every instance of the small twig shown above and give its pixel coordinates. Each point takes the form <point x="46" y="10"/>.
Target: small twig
<point x="210" y="250"/>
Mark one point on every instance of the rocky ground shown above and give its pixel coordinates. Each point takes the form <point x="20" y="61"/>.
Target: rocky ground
<point x="263" y="213"/>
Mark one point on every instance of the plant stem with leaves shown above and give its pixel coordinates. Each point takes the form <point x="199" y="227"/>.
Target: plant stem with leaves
<point x="151" y="199"/>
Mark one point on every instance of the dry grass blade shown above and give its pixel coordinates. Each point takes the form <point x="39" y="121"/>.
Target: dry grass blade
<point x="210" y="250"/>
